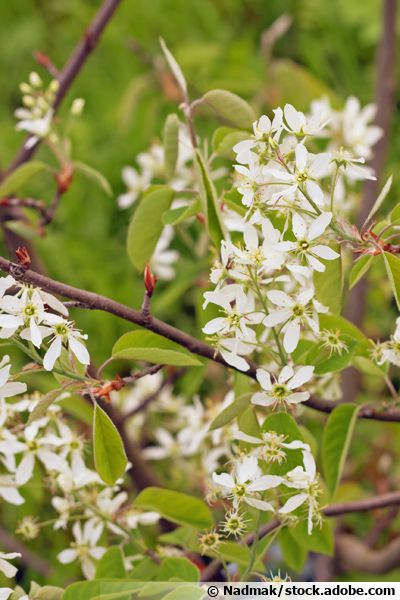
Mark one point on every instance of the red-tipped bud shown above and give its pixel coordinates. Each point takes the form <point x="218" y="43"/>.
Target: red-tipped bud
<point x="23" y="257"/>
<point x="149" y="280"/>
<point x="201" y="219"/>
<point x="42" y="59"/>
<point x="64" y="178"/>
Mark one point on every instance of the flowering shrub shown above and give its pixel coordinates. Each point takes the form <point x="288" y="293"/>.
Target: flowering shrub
<point x="266" y="208"/>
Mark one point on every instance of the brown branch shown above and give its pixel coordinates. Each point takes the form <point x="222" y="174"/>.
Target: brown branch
<point x="95" y="301"/>
<point x="354" y="555"/>
<point x="335" y="510"/>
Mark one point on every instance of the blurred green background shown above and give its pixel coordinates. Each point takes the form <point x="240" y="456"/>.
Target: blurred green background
<point x="329" y="49"/>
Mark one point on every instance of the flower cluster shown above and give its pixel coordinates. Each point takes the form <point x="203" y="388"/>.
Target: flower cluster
<point x="30" y="314"/>
<point x="247" y="482"/>
<point x="264" y="282"/>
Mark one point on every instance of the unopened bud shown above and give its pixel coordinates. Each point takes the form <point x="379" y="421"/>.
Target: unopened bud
<point x="23" y="257"/>
<point x="149" y="280"/>
<point x="77" y="107"/>
<point x="25" y="88"/>
<point x="28" y="100"/>
<point x="54" y="85"/>
<point x="35" y="80"/>
<point x="64" y="178"/>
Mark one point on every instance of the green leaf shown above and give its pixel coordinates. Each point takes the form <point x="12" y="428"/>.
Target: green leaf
<point x="146" y="225"/>
<point x="171" y="143"/>
<point x="111" y="564"/>
<point x="379" y="201"/>
<point x="324" y="363"/>
<point x="20" y="176"/>
<point x="154" y="348"/>
<point x="336" y="441"/>
<point x="109" y="454"/>
<point x="231" y="108"/>
<point x="175" y="68"/>
<point x="236" y="408"/>
<point x="329" y="284"/>
<point x="359" y="269"/>
<point x="177" y="569"/>
<point x="48" y="592"/>
<point x="392" y="264"/>
<point x="210" y="205"/>
<point x="174" y="216"/>
<point x="394" y="217"/>
<point x="338" y="323"/>
<point x="43" y="404"/>
<point x="294" y="554"/>
<point x="176" y="507"/>
<point x="25" y="230"/>
<point x="95" y="589"/>
<point x="224" y="139"/>
<point x="320" y="540"/>
<point x="185" y="592"/>
<point x="94" y="176"/>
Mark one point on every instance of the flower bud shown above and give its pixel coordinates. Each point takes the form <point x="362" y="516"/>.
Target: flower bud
<point x="77" y="107"/>
<point x="35" y="80"/>
<point x="149" y="280"/>
<point x="23" y="257"/>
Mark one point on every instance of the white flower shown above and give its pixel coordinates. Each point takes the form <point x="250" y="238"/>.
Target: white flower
<point x="5" y="566"/>
<point x="303" y="478"/>
<point x="250" y="180"/>
<point x="272" y="445"/>
<point x="28" y="311"/>
<point x="296" y="122"/>
<point x="64" y="332"/>
<point x="358" y="135"/>
<point x="282" y="390"/>
<point x="268" y="255"/>
<point x="9" y="388"/>
<point x="182" y="445"/>
<point x="40" y="447"/>
<point x="85" y="547"/>
<point x="38" y="127"/>
<point x="9" y="490"/>
<point x="245" y="483"/>
<point x="307" y="246"/>
<point x="5" y="593"/>
<point x="163" y="257"/>
<point x="240" y="313"/>
<point x="133" y="518"/>
<point x="308" y="169"/>
<point x="294" y="312"/>
<point x="135" y="182"/>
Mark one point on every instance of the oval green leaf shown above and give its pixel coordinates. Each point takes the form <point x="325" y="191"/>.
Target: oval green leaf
<point x="231" y="108"/>
<point x="149" y="346"/>
<point x="20" y="176"/>
<point x="171" y="143"/>
<point x="336" y="441"/>
<point x="109" y="453"/>
<point x="176" y="507"/>
<point x="146" y="225"/>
